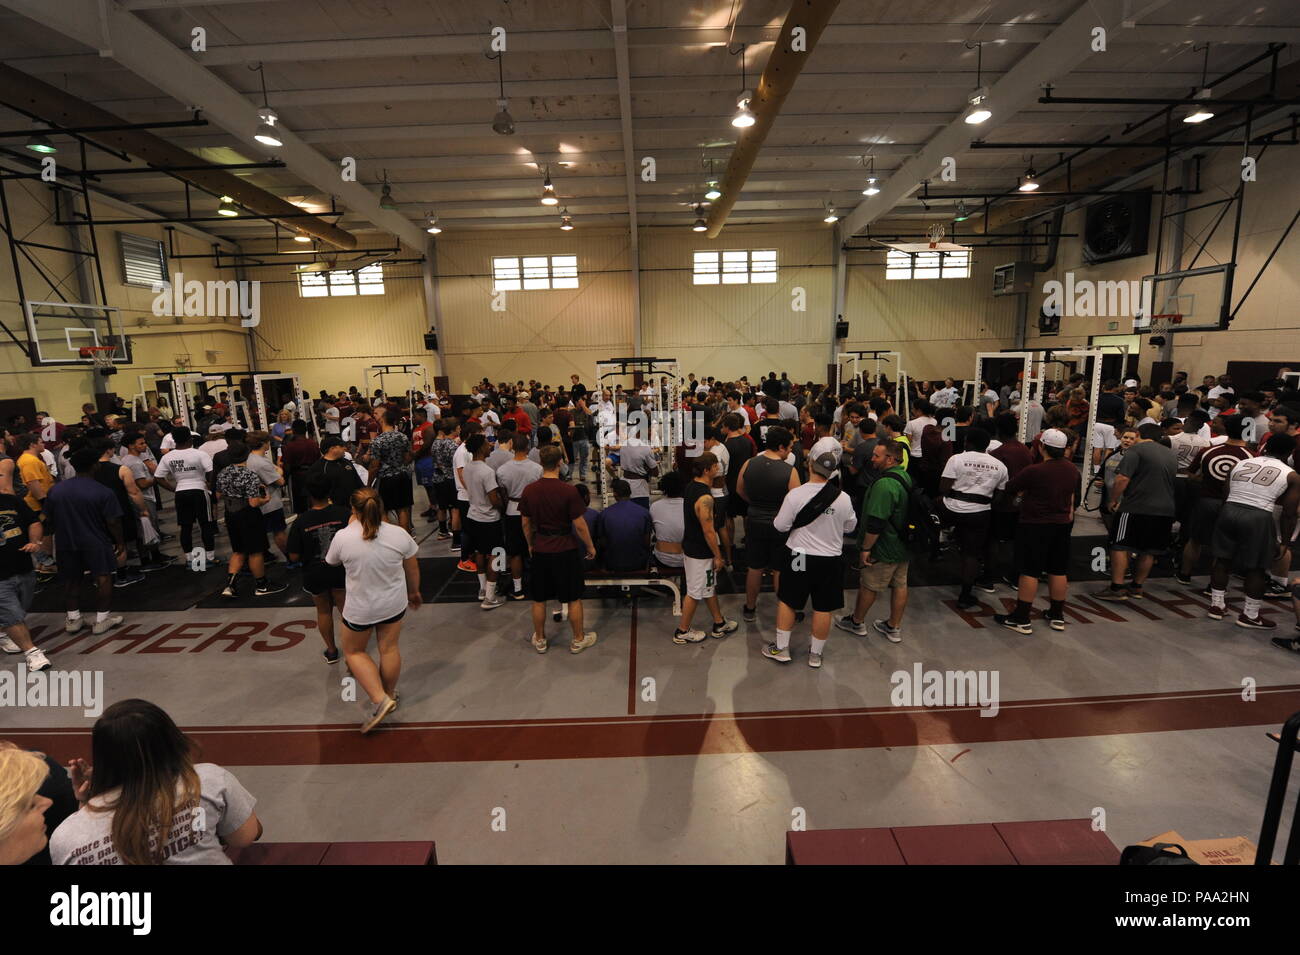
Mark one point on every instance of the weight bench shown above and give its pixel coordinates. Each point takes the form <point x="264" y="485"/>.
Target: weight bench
<point x="626" y="581"/>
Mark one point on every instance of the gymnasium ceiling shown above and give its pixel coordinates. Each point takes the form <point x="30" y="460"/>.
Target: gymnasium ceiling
<point x="405" y="88"/>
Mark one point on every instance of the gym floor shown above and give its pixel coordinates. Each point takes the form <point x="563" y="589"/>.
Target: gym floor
<point x="642" y="751"/>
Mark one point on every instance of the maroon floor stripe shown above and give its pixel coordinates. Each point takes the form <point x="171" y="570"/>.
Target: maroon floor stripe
<point x="681" y="735"/>
<point x="631" y="666"/>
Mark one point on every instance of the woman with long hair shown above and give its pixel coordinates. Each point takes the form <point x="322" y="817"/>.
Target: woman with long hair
<point x="383" y="579"/>
<point x="147" y="802"/>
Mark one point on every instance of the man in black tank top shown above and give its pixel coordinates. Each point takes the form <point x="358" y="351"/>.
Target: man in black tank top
<point x="763" y="482"/>
<point x="701" y="552"/>
<point x="115" y="476"/>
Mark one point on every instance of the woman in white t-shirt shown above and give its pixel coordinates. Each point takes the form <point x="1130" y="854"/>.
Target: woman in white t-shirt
<point x="147" y="802"/>
<point x="383" y="579"/>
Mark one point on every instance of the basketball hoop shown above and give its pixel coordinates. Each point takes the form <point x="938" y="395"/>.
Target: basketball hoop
<point x="936" y="233"/>
<point x="100" y="355"/>
<point x="1162" y="324"/>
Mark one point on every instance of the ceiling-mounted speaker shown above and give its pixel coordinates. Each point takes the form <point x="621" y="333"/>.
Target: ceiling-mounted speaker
<point x="431" y="340"/>
<point x="1116" y="227"/>
<point x="841" y="329"/>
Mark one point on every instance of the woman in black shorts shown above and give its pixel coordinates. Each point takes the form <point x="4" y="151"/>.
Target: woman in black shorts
<point x="309" y="542"/>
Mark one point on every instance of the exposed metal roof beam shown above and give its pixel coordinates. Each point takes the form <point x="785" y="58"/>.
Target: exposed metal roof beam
<point x="867" y="34"/>
<point x="157" y="60"/>
<point x="1068" y="46"/>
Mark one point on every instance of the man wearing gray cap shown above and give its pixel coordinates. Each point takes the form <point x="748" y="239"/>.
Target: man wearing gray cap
<point x="817" y="515"/>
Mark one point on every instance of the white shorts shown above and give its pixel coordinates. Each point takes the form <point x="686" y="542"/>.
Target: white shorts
<point x="701" y="578"/>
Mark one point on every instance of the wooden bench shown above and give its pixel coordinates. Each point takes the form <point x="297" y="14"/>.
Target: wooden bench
<point x="335" y="853"/>
<point x="1048" y="842"/>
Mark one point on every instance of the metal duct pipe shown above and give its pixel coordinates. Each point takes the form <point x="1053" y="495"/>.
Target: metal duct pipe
<point x="53" y="105"/>
<point x="783" y="68"/>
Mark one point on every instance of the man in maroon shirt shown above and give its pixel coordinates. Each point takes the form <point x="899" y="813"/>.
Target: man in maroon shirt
<point x="1015" y="456"/>
<point x="1049" y="492"/>
<point x="553" y="514"/>
<point x="297" y="454"/>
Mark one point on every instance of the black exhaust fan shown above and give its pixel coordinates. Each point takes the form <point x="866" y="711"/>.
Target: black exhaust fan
<point x="1116" y="227"/>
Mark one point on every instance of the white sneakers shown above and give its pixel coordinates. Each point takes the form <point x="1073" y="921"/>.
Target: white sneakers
<point x="7" y="645"/>
<point x="588" y="640"/>
<point x="376" y="713"/>
<point x="491" y="603"/>
<point x="36" y="660"/>
<point x="681" y="637"/>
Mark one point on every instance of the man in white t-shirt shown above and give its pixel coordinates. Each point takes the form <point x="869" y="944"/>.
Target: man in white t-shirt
<point x="922" y="415"/>
<point x="817" y="561"/>
<point x="216" y="442"/>
<point x="945" y="397"/>
<point x="184" y="470"/>
<point x="459" y="541"/>
<point x="332" y="417"/>
<point x="970" y="483"/>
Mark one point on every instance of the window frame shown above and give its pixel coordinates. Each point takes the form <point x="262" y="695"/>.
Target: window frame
<point x="941" y="268"/>
<point x="724" y="270"/>
<point x="331" y="287"/>
<point x="538" y="272"/>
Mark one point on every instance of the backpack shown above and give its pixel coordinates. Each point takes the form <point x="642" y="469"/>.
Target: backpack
<point x="921" y="523"/>
<point x="1162" y="853"/>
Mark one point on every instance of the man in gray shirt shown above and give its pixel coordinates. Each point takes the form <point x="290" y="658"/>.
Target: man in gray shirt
<point x="639" y="464"/>
<point x="1143" y="501"/>
<point x="259" y="442"/>
<point x="512" y="477"/>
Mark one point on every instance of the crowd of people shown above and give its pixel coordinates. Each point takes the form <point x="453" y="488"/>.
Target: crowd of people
<point x="811" y="487"/>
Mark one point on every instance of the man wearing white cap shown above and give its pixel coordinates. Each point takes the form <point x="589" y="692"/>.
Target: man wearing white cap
<point x="817" y="515"/>
<point x="1049" y="492"/>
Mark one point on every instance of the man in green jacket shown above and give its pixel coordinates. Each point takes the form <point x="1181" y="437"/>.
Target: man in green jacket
<point x="884" y="554"/>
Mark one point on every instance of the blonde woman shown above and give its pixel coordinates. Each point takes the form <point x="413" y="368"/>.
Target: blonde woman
<point x="22" y="808"/>
<point x="147" y="802"/>
<point x="383" y="579"/>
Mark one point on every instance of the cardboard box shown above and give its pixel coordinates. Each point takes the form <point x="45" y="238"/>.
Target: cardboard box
<point x="1234" y="850"/>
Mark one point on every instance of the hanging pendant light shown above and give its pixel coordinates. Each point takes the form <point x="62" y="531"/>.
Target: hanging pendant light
<point x="549" y="197"/>
<point x="1201" y="110"/>
<point x="502" y="122"/>
<point x="39" y="143"/>
<point x="433" y="228"/>
<point x="1030" y="182"/>
<point x="700" y="225"/>
<point x="871" y="188"/>
<point x="566" y="220"/>
<point x="962" y="215"/>
<point x="978" y="110"/>
<point x="831" y="217"/>
<point x="227" y="207"/>
<point x="266" y="133"/>
<point x="386" y="195"/>
<point x="743" y="118"/>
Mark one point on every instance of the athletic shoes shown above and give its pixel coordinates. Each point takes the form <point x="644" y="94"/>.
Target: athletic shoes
<point x="443" y="536"/>
<point x="541" y="646"/>
<point x="1184" y="579"/>
<point x="986" y="586"/>
<point x="1255" y="623"/>
<point x="1115" y="594"/>
<point x="724" y="628"/>
<point x="491" y="603"/>
<point x="849" y="625"/>
<point x="772" y="653"/>
<point x="228" y="590"/>
<point x="1056" y="623"/>
<point x="1287" y="643"/>
<point x="967" y="603"/>
<point x="105" y="625"/>
<point x="8" y="646"/>
<point x="815" y="660"/>
<point x="588" y="640"/>
<point x="36" y="660"/>
<point x="518" y="595"/>
<point x="331" y="657"/>
<point x="749" y="614"/>
<point x="1011" y="623"/>
<point x="376" y="713"/>
<point x="1275" y="591"/>
<point x="468" y="566"/>
<point x="892" y="634"/>
<point x="688" y="636"/>
<point x="1216" y="613"/>
<point x="127" y="578"/>
<point x="73" y="626"/>
<point x="162" y="563"/>
<point x="268" y="588"/>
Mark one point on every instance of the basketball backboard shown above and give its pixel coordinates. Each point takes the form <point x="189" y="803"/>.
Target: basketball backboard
<point x="1199" y="296"/>
<point x="57" y="331"/>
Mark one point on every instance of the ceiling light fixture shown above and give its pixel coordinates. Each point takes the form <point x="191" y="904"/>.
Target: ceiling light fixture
<point x="227" y="207"/>
<point x="1200" y="111"/>
<point x="700" y="225"/>
<point x="386" y="195"/>
<point x="433" y="228"/>
<point x="743" y="118"/>
<point x="962" y="215"/>
<point x="831" y="217"/>
<point x="979" y="111"/>
<point x="872" y="189"/>
<point x="300" y="237"/>
<point x="566" y="220"/>
<point x="1030" y="182"/>
<point x="39" y="143"/>
<point x="266" y="133"/>
<point x="548" y="191"/>
<point x="502" y="122"/>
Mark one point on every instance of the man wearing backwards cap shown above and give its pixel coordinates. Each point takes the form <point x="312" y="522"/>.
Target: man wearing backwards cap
<point x="817" y="515"/>
<point x="1049" y="492"/>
